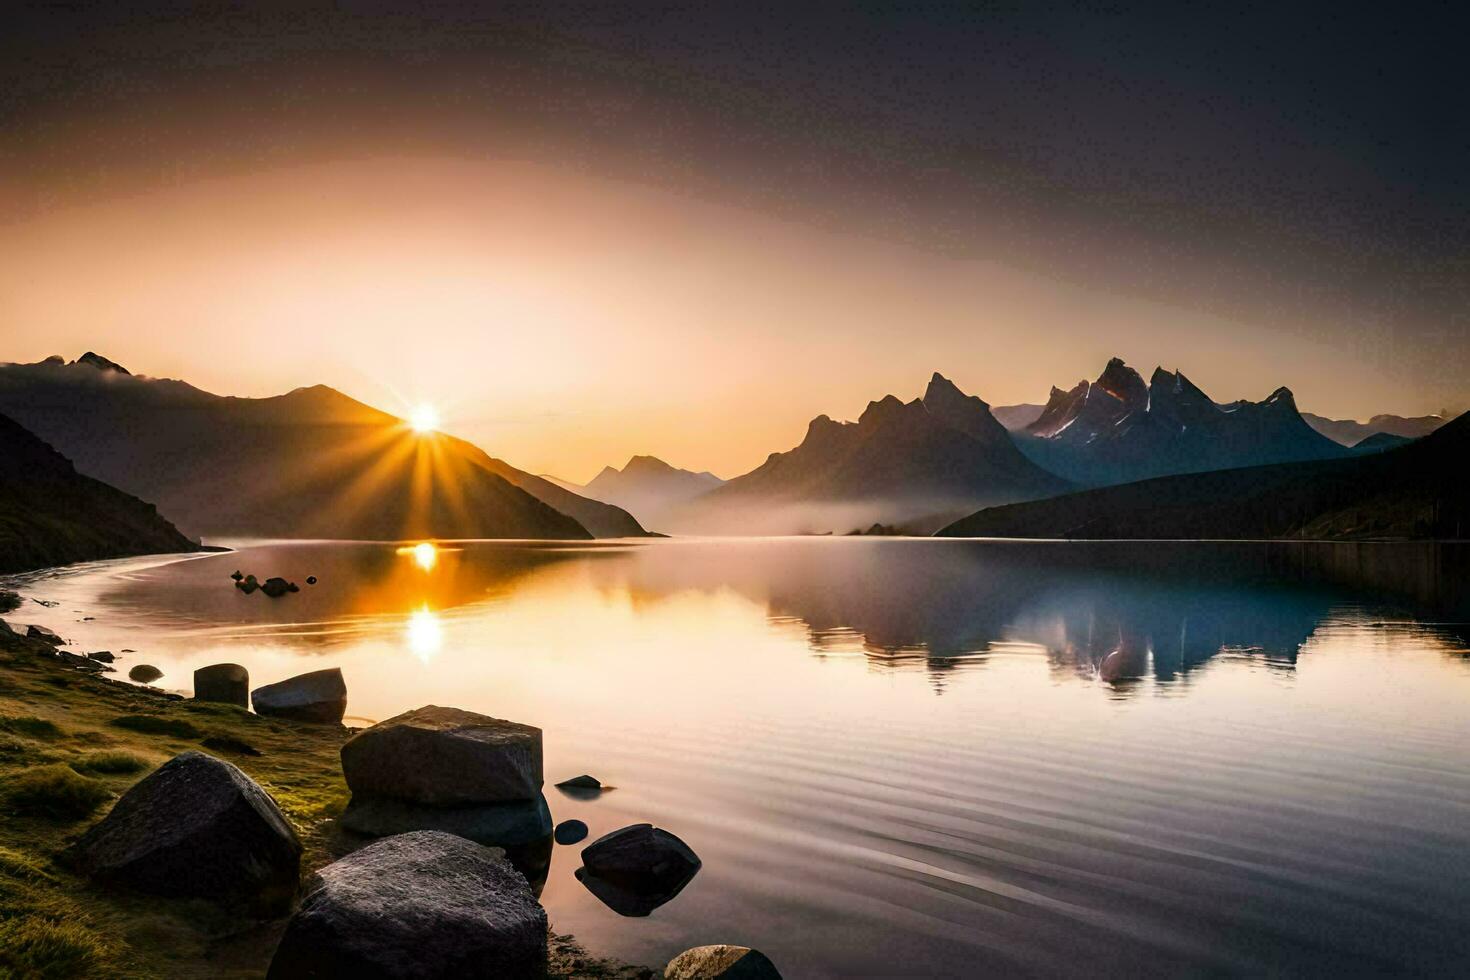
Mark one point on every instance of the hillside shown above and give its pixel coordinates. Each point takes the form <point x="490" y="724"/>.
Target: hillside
<point x="1415" y="491"/>
<point x="649" y="488"/>
<point x="52" y="515"/>
<point x="310" y="463"/>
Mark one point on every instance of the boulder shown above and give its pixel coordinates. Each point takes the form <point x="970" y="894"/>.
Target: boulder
<point x="581" y="782"/>
<point x="224" y="683"/>
<point x="46" y="635"/>
<point x="571" y="832"/>
<point x="445" y="757"/>
<point x="494" y="824"/>
<point x="418" y="905"/>
<point x="197" y="827"/>
<point x="318" y="696"/>
<point x="724" y="962"/>
<point x="102" y="656"/>
<point x="640" y="857"/>
<point x="82" y="663"/>
<point x="145" y="674"/>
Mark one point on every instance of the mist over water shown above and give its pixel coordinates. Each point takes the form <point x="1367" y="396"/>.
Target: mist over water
<point x="920" y="756"/>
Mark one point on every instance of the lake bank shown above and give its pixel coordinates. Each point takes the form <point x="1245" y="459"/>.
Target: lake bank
<point x="70" y="743"/>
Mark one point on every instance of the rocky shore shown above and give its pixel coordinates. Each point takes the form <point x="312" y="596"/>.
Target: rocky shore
<point x="150" y="835"/>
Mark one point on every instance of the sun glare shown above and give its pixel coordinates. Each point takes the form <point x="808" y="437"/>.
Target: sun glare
<point x="425" y="555"/>
<point x="424" y="419"/>
<point x="423" y="633"/>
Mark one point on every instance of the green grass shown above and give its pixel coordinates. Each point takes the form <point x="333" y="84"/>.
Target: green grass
<point x="46" y="949"/>
<point x="32" y="727"/>
<point x="111" y="762"/>
<point x="158" y="725"/>
<point x="55" y="791"/>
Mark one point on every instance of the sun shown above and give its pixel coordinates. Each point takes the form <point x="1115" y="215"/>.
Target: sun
<point x="424" y="419"/>
<point x="425" y="555"/>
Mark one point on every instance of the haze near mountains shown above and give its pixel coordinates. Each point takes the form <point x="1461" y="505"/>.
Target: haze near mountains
<point x="310" y="463"/>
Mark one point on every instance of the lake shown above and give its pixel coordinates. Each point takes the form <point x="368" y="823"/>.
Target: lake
<point x="920" y="756"/>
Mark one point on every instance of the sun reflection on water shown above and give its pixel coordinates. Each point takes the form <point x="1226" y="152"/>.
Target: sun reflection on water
<point x="424" y="633"/>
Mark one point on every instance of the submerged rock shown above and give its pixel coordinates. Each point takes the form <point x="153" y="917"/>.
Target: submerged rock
<point x="445" y="757"/>
<point x="223" y="683"/>
<point x="571" y="832"/>
<point x="640" y="856"/>
<point x="197" y="827"/>
<point x="320" y="696"/>
<point x="723" y="962"/>
<point x="276" y="587"/>
<point x="423" y="904"/>
<point x="145" y="674"/>
<point x="237" y="576"/>
<point x="45" y="635"/>
<point x="581" y="782"/>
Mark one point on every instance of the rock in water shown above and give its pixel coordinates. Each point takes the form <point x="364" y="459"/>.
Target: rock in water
<point x="102" y="656"/>
<point x="224" y="683"/>
<point x="418" y="905"/>
<point x="571" y="832"/>
<point x="42" y="633"/>
<point x="311" y="580"/>
<point x="145" y="674"/>
<point x="237" y="576"/>
<point x="276" y="587"/>
<point x="723" y="962"/>
<point x="196" y="828"/>
<point x="640" y="857"/>
<point x="581" y="782"/>
<point x="318" y="696"/>
<point x="445" y="757"/>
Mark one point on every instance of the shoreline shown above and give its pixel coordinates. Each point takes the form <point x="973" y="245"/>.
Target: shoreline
<point x="79" y="730"/>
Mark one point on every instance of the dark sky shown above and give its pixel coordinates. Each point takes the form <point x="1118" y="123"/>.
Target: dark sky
<point x="1276" y="162"/>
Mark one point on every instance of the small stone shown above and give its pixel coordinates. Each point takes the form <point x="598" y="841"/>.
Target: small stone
<point x="311" y="580"/>
<point x="105" y="656"/>
<point x="320" y="696"/>
<point x="581" y="782"/>
<point x="275" y="587"/>
<point x="223" y="683"/>
<point x="45" y="635"/>
<point x="145" y="674"/>
<point x="571" y="832"/>
<point x="237" y="576"/>
<point x="722" y="962"/>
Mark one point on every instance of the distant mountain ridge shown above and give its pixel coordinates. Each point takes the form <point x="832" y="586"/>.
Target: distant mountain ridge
<point x="898" y="463"/>
<point x="310" y="463"/>
<point x="1350" y="432"/>
<point x="52" y="515"/>
<point x="648" y="488"/>
<point x="1120" y="428"/>
<point x="1414" y="491"/>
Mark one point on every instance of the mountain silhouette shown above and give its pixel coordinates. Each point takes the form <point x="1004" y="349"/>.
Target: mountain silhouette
<point x="899" y="463"/>
<point x="1415" y="491"/>
<point x="1350" y="432"/>
<point x="52" y="515"/>
<point x="1118" y="429"/>
<point x="310" y="463"/>
<point x="648" y="487"/>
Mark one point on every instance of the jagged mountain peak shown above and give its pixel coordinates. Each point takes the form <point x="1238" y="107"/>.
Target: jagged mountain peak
<point x="941" y="390"/>
<point x="93" y="359"/>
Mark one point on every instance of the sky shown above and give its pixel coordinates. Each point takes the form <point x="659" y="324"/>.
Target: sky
<point x="585" y="231"/>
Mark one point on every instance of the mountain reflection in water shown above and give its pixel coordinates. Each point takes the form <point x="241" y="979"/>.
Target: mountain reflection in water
<point x="919" y="757"/>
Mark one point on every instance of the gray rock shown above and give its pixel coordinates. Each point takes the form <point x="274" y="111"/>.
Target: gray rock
<point x="494" y="824"/>
<point x="318" y="696"/>
<point x="47" y="635"/>
<point x="223" y="683"/>
<point x="102" y="656"/>
<point x="723" y="962"/>
<point x="571" y="832"/>
<point x="419" y="905"/>
<point x="197" y="827"/>
<point x="445" y="757"/>
<point x="640" y="857"/>
<point x="581" y="782"/>
<point x="145" y="674"/>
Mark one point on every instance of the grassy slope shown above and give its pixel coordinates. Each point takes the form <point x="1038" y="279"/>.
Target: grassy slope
<point x="63" y="759"/>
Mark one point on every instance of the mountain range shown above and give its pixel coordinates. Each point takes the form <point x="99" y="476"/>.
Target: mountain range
<point x="1350" y="432"/>
<point x="909" y="463"/>
<point x="1120" y="428"/>
<point x="52" y="515"/>
<point x="310" y="463"/>
<point x="647" y="487"/>
<point x="1414" y="491"/>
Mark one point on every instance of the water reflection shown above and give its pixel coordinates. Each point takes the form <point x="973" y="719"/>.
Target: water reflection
<point x="425" y="635"/>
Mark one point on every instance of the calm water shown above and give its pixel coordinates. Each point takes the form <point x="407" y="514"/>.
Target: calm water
<point x="923" y="757"/>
